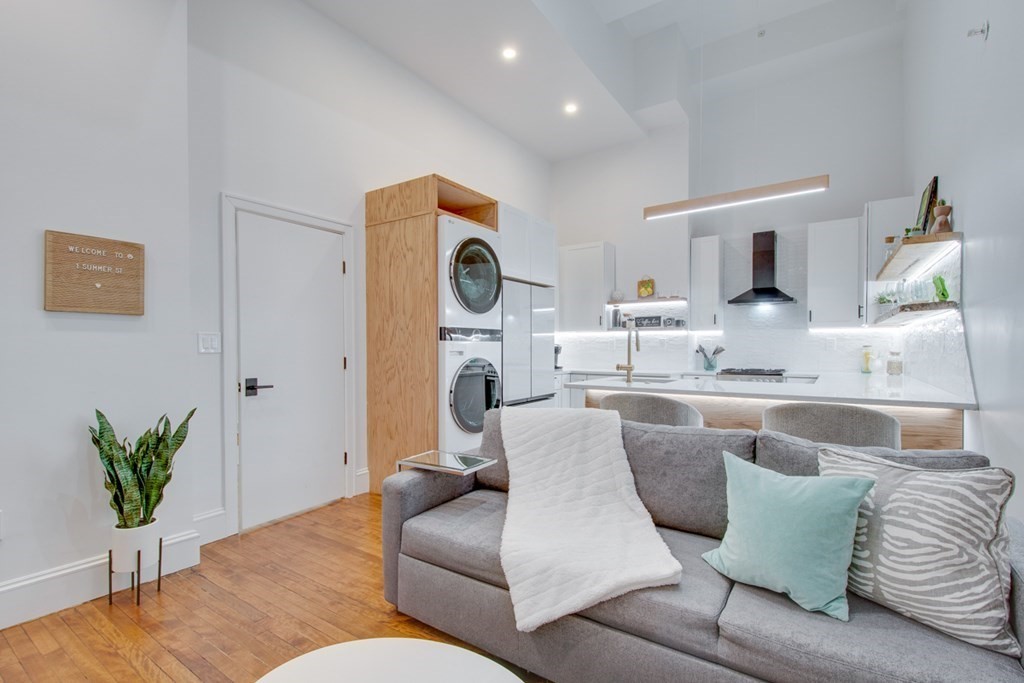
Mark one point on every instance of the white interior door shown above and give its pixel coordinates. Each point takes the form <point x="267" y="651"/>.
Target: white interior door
<point x="291" y="325"/>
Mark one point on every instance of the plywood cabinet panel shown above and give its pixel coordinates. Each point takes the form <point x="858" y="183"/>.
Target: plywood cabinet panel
<point x="401" y="328"/>
<point x="403" y="200"/>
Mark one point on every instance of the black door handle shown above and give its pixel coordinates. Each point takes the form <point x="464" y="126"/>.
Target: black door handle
<point x="252" y="386"/>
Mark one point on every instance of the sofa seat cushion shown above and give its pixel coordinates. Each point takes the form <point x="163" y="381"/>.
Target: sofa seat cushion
<point x="683" y="617"/>
<point x="767" y="636"/>
<point x="462" y="535"/>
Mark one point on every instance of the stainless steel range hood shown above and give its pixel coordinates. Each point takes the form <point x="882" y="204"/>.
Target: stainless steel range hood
<point x="764" y="290"/>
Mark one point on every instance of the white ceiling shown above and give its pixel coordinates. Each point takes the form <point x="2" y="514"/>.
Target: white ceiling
<point x="614" y="58"/>
<point x="701" y="21"/>
<point x="456" y="46"/>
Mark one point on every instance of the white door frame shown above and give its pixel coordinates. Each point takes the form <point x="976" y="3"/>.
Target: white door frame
<point x="231" y="206"/>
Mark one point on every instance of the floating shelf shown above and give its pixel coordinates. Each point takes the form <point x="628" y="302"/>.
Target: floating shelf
<point x="915" y="250"/>
<point x="908" y="313"/>
<point x="664" y="302"/>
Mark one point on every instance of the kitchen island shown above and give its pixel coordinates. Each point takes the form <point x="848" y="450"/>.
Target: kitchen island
<point x="930" y="417"/>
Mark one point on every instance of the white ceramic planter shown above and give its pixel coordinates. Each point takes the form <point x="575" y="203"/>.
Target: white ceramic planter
<point x="127" y="542"/>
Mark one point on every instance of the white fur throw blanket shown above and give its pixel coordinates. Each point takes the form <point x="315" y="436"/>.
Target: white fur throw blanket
<point x="576" y="532"/>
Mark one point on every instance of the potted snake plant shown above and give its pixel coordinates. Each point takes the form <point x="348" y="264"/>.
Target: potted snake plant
<point x="136" y="477"/>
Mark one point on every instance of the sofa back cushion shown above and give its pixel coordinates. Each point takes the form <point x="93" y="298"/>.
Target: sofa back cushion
<point x="678" y="471"/>
<point x="794" y="456"/>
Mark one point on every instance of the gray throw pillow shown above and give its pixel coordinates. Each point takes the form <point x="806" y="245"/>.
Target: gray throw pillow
<point x="794" y="456"/>
<point x="932" y="545"/>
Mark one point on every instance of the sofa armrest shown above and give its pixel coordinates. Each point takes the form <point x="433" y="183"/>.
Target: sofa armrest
<point x="405" y="495"/>
<point x="1016" y="552"/>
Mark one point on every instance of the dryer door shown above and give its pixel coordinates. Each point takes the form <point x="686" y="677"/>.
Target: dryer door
<point x="475" y="390"/>
<point x="475" y="275"/>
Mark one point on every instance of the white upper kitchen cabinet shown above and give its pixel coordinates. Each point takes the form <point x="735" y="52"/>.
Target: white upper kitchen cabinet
<point x="514" y="230"/>
<point x="528" y="247"/>
<point x="586" y="279"/>
<point x="543" y="253"/>
<point x="706" y="283"/>
<point x="835" y="273"/>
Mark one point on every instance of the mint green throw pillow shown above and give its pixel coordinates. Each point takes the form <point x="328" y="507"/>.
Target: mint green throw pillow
<point x="792" y="535"/>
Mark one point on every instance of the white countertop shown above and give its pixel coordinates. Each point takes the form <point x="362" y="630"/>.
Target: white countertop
<point x="831" y="387"/>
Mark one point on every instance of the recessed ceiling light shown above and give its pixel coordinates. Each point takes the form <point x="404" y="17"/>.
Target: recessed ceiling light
<point x="571" y="108"/>
<point x="509" y="53"/>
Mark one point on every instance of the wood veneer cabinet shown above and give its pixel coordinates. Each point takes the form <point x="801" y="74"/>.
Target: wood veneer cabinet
<point x="401" y="313"/>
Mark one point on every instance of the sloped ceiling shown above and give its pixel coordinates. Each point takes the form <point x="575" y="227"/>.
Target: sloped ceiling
<point x="629" y="65"/>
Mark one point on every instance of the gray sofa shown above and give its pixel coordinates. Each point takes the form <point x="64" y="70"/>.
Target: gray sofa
<point x="441" y="565"/>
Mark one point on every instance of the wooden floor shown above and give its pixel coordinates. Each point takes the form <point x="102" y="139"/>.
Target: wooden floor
<point x="252" y="603"/>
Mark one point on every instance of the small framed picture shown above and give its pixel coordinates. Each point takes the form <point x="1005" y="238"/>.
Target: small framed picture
<point x="928" y="199"/>
<point x="645" y="288"/>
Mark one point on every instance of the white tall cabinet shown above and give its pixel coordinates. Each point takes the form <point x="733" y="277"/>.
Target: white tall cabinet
<point x="586" y="281"/>
<point x="528" y="247"/>
<point x="706" y="283"/>
<point x="835" y="273"/>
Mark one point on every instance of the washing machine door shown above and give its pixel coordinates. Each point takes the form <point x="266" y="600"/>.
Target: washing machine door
<point x="475" y="275"/>
<point x="475" y="389"/>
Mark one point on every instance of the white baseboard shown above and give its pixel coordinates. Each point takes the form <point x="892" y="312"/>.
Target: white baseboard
<point x="362" y="481"/>
<point x="51" y="590"/>
<point x="212" y="525"/>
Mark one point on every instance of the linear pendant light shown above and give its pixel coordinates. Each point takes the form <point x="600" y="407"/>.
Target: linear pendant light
<point x="790" y="188"/>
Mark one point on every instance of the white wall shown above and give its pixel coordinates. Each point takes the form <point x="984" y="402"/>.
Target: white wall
<point x="287" y="107"/>
<point x="104" y="113"/>
<point x="963" y="108"/>
<point x="601" y="197"/>
<point x="94" y="141"/>
<point x="841" y="115"/>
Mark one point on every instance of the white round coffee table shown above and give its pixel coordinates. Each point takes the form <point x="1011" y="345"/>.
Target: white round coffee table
<point x="383" y="660"/>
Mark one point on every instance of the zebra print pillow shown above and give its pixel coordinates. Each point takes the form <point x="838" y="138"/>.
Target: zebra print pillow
<point x="931" y="545"/>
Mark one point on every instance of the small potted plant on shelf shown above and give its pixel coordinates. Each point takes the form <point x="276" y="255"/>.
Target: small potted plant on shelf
<point x="886" y="302"/>
<point x="135" y="478"/>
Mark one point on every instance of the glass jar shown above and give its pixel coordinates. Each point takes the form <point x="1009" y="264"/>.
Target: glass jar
<point x="890" y="246"/>
<point x="894" y="365"/>
<point x="866" y="356"/>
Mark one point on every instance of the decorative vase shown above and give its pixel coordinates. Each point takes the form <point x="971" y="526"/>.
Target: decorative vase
<point x="126" y="543"/>
<point x="942" y="218"/>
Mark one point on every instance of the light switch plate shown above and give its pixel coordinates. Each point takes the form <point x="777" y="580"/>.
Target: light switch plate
<point x="208" y="342"/>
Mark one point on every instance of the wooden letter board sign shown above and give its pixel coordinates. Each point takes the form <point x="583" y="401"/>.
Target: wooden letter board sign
<point x="94" y="275"/>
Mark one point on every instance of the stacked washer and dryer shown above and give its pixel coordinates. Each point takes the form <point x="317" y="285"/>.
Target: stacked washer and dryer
<point x="470" y="319"/>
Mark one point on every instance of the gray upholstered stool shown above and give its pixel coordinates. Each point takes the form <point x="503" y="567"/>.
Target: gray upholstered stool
<point x="656" y="410"/>
<point x="834" y="423"/>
